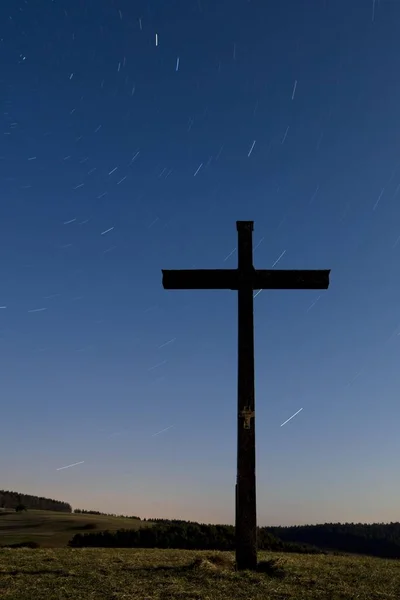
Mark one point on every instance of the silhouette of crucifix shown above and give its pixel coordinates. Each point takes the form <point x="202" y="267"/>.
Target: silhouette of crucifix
<point x="245" y="279"/>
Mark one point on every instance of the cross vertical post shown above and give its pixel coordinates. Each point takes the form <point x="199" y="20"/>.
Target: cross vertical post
<point x="246" y="515"/>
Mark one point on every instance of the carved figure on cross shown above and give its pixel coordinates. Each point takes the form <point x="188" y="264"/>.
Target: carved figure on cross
<point x="247" y="414"/>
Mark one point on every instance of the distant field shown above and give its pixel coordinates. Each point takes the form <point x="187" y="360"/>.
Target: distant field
<point x="123" y="574"/>
<point x="55" y="529"/>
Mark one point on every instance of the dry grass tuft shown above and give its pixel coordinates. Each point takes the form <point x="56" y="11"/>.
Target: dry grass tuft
<point x="214" y="562"/>
<point x="271" y="567"/>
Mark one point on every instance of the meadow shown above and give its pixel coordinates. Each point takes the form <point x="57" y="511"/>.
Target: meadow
<point x="151" y="574"/>
<point x="60" y="572"/>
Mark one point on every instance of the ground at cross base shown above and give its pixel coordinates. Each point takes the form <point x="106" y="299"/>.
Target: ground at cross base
<point x="151" y="574"/>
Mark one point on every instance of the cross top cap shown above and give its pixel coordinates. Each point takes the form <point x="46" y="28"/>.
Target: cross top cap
<point x="244" y="225"/>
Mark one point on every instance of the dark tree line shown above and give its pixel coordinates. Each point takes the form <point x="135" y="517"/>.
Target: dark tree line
<point x="82" y="511"/>
<point x="13" y="499"/>
<point x="181" y="535"/>
<point x="379" y="539"/>
<point x="376" y="539"/>
<point x="157" y="520"/>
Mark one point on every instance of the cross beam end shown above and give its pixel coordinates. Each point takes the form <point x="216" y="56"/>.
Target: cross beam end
<point x="200" y="279"/>
<point x="291" y="279"/>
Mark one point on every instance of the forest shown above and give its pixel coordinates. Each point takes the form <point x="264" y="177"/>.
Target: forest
<point x="81" y="511"/>
<point x="379" y="539"/>
<point x="183" y="535"/>
<point x="9" y="499"/>
<point x="375" y="539"/>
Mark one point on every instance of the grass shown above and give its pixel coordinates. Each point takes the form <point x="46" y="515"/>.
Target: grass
<point x="136" y="574"/>
<point x="54" y="529"/>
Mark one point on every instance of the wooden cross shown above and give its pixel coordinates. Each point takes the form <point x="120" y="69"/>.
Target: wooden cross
<point x="245" y="279"/>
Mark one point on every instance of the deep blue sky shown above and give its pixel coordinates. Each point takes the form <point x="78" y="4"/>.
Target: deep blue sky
<point x="105" y="126"/>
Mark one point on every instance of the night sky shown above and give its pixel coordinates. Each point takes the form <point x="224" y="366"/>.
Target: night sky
<point x="134" y="136"/>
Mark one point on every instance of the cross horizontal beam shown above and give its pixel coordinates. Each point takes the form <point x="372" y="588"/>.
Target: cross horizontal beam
<point x="257" y="279"/>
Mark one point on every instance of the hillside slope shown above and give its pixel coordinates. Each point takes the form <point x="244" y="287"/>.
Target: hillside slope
<point x="54" y="529"/>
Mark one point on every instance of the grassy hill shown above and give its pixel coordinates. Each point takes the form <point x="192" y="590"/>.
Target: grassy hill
<point x="135" y="574"/>
<point x="54" y="529"/>
<point x="55" y="571"/>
